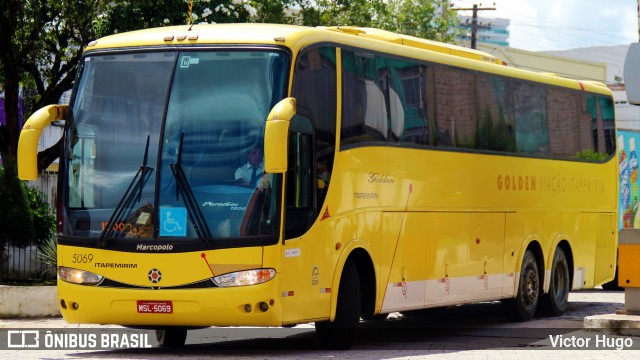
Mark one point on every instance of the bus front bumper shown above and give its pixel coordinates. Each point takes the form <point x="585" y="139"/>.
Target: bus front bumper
<point x="256" y="305"/>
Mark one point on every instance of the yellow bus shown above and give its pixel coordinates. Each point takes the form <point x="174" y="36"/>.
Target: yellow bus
<point x="399" y="174"/>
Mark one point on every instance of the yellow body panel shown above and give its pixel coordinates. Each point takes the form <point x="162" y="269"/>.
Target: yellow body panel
<point x="454" y="238"/>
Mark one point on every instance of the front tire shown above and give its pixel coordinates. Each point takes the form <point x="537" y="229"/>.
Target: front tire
<point x="171" y="337"/>
<point x="556" y="301"/>
<point x="525" y="303"/>
<point x="340" y="333"/>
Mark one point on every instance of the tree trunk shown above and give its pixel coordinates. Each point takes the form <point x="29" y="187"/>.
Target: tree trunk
<point x="9" y="145"/>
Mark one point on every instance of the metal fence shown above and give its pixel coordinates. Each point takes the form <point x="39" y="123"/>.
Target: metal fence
<point x="24" y="265"/>
<point x="19" y="265"/>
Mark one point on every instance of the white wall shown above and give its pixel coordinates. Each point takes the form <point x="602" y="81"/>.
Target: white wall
<point x="28" y="301"/>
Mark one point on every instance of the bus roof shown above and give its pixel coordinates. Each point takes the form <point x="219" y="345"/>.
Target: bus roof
<point x="297" y="37"/>
<point x="271" y="34"/>
<point x="412" y="41"/>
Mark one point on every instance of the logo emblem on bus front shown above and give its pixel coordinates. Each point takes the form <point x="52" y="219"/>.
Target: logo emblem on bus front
<point x="154" y="276"/>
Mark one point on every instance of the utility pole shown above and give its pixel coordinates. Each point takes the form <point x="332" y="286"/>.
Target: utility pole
<point x="474" y="21"/>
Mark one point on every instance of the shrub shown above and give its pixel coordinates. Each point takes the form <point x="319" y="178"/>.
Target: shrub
<point x="44" y="221"/>
<point x="16" y="226"/>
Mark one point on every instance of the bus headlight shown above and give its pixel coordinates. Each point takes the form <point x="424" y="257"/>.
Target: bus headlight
<point x="244" y="278"/>
<point x="78" y="276"/>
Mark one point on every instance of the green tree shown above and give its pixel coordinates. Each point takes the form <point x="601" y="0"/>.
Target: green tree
<point x="365" y="13"/>
<point x="121" y="16"/>
<point x="42" y="40"/>
<point x="44" y="221"/>
<point x="26" y="217"/>
<point x="427" y="19"/>
<point x="16" y="227"/>
<point x="273" y="11"/>
<point x="41" y="43"/>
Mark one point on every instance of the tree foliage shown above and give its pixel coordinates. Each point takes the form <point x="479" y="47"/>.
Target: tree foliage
<point x="356" y="13"/>
<point x="44" y="221"/>
<point x="422" y="18"/>
<point x="42" y="40"/>
<point x="41" y="43"/>
<point x="26" y="216"/>
<point x="16" y="227"/>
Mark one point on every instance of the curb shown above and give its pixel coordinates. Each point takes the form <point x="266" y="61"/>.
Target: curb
<point x="617" y="324"/>
<point x="28" y="301"/>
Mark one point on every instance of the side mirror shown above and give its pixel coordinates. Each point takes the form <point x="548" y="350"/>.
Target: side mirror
<point x="30" y="135"/>
<point x="276" y="136"/>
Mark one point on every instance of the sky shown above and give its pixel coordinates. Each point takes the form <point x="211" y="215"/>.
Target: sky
<point x="545" y="25"/>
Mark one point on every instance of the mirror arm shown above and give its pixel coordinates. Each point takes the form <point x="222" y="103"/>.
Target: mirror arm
<point x="30" y="135"/>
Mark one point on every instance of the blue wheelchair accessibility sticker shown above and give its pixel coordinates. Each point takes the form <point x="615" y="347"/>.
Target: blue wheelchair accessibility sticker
<point x="173" y="221"/>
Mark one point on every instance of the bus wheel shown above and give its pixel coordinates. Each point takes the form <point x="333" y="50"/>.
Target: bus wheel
<point x="376" y="317"/>
<point x="613" y="284"/>
<point x="340" y="334"/>
<point x="555" y="302"/>
<point x="525" y="303"/>
<point x="173" y="338"/>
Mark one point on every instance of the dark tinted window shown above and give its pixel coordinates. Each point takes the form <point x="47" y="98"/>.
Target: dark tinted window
<point x="364" y="108"/>
<point x="406" y="103"/>
<point x="315" y="90"/>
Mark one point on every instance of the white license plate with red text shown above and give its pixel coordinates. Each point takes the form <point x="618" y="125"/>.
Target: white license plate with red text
<point x="154" y="307"/>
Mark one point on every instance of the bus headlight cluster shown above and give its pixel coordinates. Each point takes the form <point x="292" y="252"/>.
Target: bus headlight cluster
<point x="244" y="278"/>
<point x="78" y="276"/>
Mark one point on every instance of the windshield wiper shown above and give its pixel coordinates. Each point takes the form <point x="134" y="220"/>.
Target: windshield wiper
<point x="133" y="192"/>
<point x="184" y="189"/>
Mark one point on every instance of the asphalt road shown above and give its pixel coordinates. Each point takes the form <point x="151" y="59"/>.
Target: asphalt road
<point x="474" y="331"/>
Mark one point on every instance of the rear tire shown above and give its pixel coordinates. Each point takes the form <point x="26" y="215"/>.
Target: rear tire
<point x="613" y="284"/>
<point x="376" y="317"/>
<point x="556" y="301"/>
<point x="172" y="337"/>
<point x="524" y="305"/>
<point x="340" y="333"/>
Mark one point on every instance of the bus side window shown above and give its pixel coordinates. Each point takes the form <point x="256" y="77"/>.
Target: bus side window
<point x="406" y="107"/>
<point x="608" y="123"/>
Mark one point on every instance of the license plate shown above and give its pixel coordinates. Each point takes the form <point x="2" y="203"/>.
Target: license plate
<point x="154" y="307"/>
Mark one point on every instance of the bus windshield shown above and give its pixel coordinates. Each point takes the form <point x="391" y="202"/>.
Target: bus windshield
<point x="168" y="144"/>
